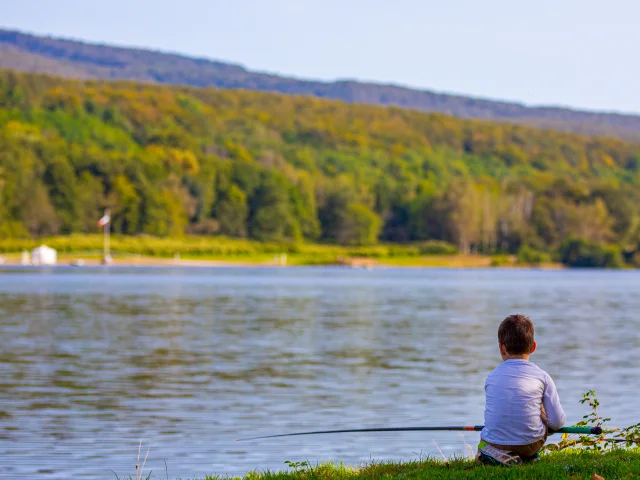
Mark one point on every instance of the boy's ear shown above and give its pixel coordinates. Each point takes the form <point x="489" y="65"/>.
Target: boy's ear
<point x="535" y="345"/>
<point x="503" y="349"/>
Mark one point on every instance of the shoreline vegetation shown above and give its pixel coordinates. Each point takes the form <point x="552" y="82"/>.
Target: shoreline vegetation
<point x="192" y="251"/>
<point x="575" y="465"/>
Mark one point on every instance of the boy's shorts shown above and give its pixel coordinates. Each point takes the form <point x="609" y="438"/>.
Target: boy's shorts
<point x="525" y="451"/>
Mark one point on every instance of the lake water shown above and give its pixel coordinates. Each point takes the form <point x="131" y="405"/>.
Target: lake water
<point x="187" y="360"/>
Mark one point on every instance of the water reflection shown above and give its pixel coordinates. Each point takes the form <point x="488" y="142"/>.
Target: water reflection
<point x="93" y="361"/>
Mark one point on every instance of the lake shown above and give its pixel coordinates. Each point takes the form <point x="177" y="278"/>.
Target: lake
<point x="187" y="360"/>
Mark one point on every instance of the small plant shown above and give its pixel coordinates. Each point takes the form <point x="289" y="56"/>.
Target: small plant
<point x="140" y="470"/>
<point x="611" y="438"/>
<point x="298" y="467"/>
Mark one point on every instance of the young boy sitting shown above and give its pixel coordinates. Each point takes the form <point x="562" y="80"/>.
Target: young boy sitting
<point x="522" y="404"/>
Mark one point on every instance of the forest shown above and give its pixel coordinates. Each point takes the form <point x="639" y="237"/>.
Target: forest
<point x="171" y="161"/>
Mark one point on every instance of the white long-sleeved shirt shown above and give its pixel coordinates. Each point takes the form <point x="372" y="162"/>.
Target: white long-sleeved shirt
<point x="515" y="391"/>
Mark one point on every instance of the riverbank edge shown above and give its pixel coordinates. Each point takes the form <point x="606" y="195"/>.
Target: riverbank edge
<point x="619" y="463"/>
<point x="437" y="261"/>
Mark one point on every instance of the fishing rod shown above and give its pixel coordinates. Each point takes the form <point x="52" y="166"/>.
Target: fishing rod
<point x="472" y="428"/>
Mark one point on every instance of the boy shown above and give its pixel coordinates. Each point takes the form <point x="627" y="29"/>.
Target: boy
<point x="522" y="404"/>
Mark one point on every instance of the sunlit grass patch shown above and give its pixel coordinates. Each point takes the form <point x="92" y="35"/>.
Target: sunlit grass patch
<point x="577" y="465"/>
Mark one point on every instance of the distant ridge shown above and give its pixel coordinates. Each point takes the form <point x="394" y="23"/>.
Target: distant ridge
<point x="73" y="59"/>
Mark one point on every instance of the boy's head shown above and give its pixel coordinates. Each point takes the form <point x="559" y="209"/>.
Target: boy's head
<point x="515" y="335"/>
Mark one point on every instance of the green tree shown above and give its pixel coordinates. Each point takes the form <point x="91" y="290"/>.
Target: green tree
<point x="61" y="179"/>
<point x="621" y="208"/>
<point x="593" y="222"/>
<point x="163" y="213"/>
<point x="39" y="216"/>
<point x="359" y="226"/>
<point x="305" y="210"/>
<point x="270" y="217"/>
<point x="543" y="224"/>
<point x="125" y="205"/>
<point x="582" y="253"/>
<point x="335" y="199"/>
<point x="231" y="211"/>
<point x="9" y="228"/>
<point x="90" y="194"/>
<point x="460" y="205"/>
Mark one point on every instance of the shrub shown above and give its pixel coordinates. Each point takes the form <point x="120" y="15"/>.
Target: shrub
<point x="532" y="256"/>
<point x="437" y="247"/>
<point x="582" y="253"/>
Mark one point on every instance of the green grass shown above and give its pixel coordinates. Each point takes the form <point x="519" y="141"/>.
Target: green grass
<point x="618" y="464"/>
<point x="132" y="249"/>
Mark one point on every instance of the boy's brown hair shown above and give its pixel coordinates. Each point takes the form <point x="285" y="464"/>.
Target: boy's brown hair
<point x="516" y="334"/>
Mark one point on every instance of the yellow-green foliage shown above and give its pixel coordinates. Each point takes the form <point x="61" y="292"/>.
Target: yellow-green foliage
<point x="219" y="247"/>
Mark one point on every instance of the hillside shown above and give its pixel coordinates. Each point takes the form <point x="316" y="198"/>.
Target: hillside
<point x="80" y="60"/>
<point x="176" y="160"/>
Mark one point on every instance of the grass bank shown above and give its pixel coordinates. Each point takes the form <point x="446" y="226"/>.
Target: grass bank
<point x="153" y="250"/>
<point x="577" y="465"/>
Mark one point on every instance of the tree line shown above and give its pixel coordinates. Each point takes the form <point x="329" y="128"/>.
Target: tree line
<point x="170" y="161"/>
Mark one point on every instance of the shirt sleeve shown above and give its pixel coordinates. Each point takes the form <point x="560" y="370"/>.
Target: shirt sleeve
<point x="551" y="401"/>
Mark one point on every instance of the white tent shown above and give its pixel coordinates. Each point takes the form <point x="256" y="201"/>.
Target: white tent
<point x="43" y="255"/>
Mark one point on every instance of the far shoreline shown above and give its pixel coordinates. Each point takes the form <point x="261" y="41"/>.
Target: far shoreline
<point x="224" y="252"/>
<point x="454" y="262"/>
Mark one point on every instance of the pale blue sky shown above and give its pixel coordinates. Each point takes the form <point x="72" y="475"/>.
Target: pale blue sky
<point x="579" y="53"/>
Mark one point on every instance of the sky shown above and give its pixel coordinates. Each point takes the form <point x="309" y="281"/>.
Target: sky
<point x="577" y="53"/>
